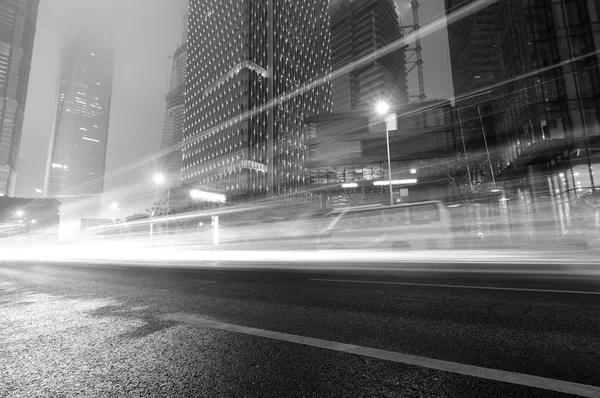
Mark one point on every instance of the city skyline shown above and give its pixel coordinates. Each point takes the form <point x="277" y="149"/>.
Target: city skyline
<point x="300" y="198"/>
<point x="125" y="149"/>
<point x="146" y="40"/>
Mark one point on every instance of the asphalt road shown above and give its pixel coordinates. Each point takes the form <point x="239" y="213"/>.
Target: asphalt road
<point x="107" y="331"/>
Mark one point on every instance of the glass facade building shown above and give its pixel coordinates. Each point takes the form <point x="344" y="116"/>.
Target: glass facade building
<point x="242" y="132"/>
<point x="17" y="30"/>
<point x="78" y="147"/>
<point x="544" y="103"/>
<point x="174" y="117"/>
<point x="359" y="28"/>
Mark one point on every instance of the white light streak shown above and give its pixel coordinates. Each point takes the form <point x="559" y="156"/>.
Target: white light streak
<point x="207" y="196"/>
<point x="396" y="182"/>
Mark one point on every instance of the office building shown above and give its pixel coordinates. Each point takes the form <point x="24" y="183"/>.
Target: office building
<point x="545" y="105"/>
<point x="77" y="156"/>
<point x="348" y="155"/>
<point x="358" y="29"/>
<point x="243" y="127"/>
<point x="475" y="68"/>
<point x="17" y="30"/>
<point x="174" y="117"/>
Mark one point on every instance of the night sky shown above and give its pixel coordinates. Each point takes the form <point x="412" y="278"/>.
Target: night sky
<point x="148" y="32"/>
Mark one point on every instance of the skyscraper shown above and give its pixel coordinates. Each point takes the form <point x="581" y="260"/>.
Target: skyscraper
<point x="473" y="48"/>
<point x="476" y="66"/>
<point x="545" y="100"/>
<point x="78" y="147"/>
<point x="242" y="55"/>
<point x="360" y="28"/>
<point x="174" y="117"/>
<point x="17" y="30"/>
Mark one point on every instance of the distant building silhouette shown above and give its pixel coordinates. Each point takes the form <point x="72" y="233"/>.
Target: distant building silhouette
<point x="243" y="55"/>
<point x="173" y="126"/>
<point x="360" y="28"/>
<point x="17" y="30"/>
<point x="77" y="158"/>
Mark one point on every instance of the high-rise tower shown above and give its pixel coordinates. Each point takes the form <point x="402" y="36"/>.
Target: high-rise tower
<point x="360" y="28"/>
<point x="243" y="55"/>
<point x="174" y="117"/>
<point x="78" y="147"/>
<point x="17" y="30"/>
<point x="476" y="66"/>
<point x="539" y="62"/>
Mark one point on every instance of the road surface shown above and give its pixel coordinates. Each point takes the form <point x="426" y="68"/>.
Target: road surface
<point x="114" y="330"/>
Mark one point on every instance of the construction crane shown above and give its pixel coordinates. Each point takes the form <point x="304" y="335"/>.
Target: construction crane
<point x="415" y="60"/>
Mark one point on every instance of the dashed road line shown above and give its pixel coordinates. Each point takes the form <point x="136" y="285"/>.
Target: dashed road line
<point x="429" y="363"/>
<point x="512" y="289"/>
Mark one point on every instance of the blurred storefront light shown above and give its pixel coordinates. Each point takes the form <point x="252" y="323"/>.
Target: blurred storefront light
<point x="207" y="196"/>
<point x="396" y="182"/>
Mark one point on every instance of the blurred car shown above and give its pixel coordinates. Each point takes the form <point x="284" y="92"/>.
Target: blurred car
<point x="419" y="225"/>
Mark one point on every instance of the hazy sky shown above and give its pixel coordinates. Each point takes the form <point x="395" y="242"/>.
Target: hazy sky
<point x="148" y="32"/>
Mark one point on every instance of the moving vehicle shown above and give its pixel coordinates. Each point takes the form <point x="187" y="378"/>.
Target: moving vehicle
<point x="419" y="225"/>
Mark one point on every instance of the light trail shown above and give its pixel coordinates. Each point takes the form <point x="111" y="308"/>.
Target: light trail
<point x="166" y="253"/>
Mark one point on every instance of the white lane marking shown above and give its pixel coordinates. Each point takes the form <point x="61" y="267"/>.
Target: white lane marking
<point x="514" y="289"/>
<point x="430" y="363"/>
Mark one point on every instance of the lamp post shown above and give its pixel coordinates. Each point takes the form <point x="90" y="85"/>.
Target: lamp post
<point x="159" y="180"/>
<point x="382" y="108"/>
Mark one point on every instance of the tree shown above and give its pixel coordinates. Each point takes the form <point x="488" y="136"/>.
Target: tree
<point x="470" y="180"/>
<point x="159" y="209"/>
<point x="136" y="217"/>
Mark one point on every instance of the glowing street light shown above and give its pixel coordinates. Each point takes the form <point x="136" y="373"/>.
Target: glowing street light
<point x="382" y="108"/>
<point x="159" y="179"/>
<point x="19" y="213"/>
<point x="114" y="205"/>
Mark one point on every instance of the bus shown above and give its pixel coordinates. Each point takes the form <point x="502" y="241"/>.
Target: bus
<point x="419" y="226"/>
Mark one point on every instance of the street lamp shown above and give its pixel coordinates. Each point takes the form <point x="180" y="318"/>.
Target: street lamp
<point x="114" y="205"/>
<point x="160" y="180"/>
<point x="19" y="213"/>
<point x="382" y="108"/>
